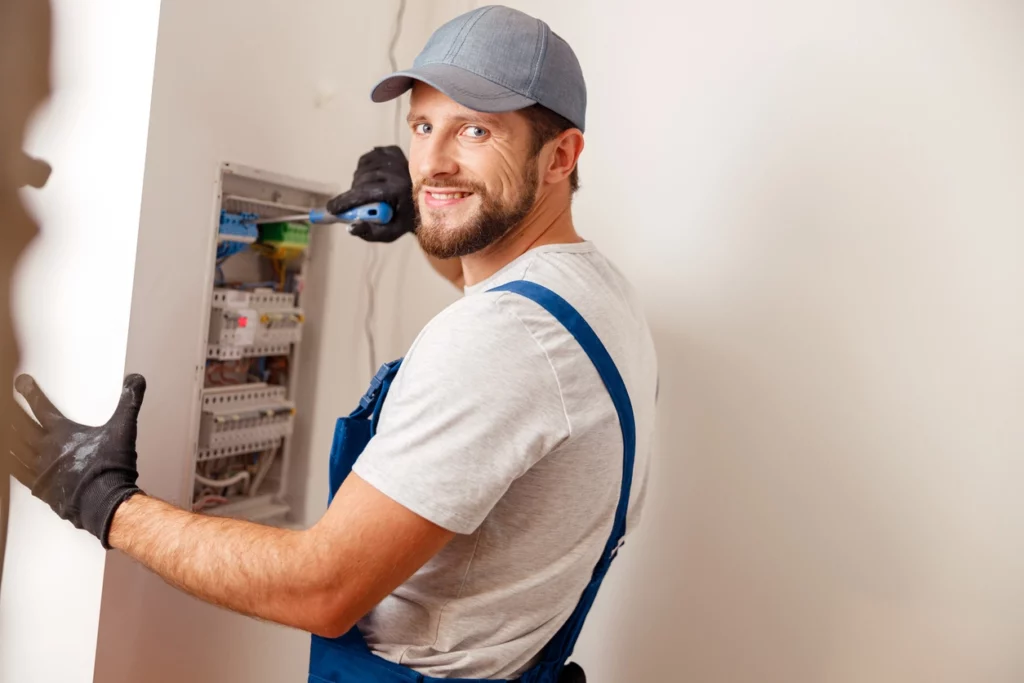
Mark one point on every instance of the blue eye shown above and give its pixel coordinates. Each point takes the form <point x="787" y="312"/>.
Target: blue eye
<point x="475" y="131"/>
<point x="422" y="128"/>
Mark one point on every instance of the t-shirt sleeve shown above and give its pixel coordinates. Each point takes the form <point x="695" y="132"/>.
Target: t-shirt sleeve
<point x="475" y="404"/>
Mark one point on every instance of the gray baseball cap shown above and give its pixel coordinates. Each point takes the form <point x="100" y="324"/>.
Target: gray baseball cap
<point x="497" y="59"/>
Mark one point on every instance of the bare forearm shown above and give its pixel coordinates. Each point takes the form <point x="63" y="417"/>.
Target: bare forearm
<point x="256" y="570"/>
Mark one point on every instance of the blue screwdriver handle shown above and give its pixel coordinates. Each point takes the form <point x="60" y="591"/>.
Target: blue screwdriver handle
<point x="378" y="212"/>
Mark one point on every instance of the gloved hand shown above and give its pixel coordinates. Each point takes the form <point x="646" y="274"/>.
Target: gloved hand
<point x="382" y="175"/>
<point x="83" y="473"/>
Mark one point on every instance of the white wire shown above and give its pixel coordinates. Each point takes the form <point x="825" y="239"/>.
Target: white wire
<point x="223" y="483"/>
<point x="370" y="275"/>
<point x="266" y="460"/>
<point x="205" y="501"/>
<point x="375" y="265"/>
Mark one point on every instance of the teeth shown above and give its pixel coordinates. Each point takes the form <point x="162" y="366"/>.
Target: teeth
<point x="449" y="195"/>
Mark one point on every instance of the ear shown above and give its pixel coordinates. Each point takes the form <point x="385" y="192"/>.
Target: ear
<point x="565" y="153"/>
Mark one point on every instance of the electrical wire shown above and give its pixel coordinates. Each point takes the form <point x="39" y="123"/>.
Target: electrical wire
<point x="375" y="263"/>
<point x="223" y="483"/>
<point x="370" y="277"/>
<point x="281" y="271"/>
<point x="207" y="501"/>
<point x="265" y="463"/>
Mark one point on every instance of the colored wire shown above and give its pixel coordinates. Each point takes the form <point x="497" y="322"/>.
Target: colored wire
<point x="281" y="271"/>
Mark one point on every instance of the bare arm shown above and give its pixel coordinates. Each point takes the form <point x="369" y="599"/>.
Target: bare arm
<point x="321" y="580"/>
<point x="449" y="269"/>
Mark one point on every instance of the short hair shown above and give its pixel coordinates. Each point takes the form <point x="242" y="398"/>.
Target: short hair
<point x="546" y="126"/>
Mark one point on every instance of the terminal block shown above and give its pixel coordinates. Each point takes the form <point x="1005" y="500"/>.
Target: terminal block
<point x="244" y="416"/>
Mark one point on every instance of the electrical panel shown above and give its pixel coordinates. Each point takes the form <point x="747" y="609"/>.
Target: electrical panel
<point x="246" y="395"/>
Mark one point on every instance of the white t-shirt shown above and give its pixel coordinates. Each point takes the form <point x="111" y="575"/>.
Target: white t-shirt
<point x="499" y="428"/>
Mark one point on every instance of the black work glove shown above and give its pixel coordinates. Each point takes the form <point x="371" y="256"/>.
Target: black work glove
<point x="382" y="175"/>
<point x="83" y="473"/>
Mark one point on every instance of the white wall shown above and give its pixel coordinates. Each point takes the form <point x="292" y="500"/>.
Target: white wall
<point x="71" y="302"/>
<point x="283" y="87"/>
<point x="822" y="205"/>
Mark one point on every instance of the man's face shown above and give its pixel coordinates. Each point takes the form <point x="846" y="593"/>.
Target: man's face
<point x="474" y="178"/>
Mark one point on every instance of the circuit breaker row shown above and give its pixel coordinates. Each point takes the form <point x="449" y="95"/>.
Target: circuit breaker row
<point x="249" y="414"/>
<point x="252" y="324"/>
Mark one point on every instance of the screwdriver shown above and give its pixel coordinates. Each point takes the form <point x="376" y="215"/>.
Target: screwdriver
<point x="378" y="212"/>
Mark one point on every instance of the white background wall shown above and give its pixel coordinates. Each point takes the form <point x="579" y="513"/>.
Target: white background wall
<point x="282" y="87"/>
<point x="71" y="303"/>
<point x="822" y="204"/>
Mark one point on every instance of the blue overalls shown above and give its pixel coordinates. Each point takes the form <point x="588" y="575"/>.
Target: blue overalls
<point x="348" y="659"/>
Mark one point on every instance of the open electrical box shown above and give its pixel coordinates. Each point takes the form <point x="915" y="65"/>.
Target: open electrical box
<point x="247" y="408"/>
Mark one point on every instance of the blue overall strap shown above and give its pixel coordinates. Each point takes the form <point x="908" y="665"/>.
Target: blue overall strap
<point x="561" y="646"/>
<point x="352" y="433"/>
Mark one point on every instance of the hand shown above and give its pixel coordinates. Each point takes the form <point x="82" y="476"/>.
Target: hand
<point x="83" y="473"/>
<point x="382" y="175"/>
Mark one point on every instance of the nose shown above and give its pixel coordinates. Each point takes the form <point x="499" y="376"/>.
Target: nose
<point x="437" y="159"/>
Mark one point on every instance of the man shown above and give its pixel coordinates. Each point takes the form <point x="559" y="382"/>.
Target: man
<point x="468" y="536"/>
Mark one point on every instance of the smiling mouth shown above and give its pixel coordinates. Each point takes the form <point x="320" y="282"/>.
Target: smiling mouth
<point x="446" y="196"/>
<point x="435" y="199"/>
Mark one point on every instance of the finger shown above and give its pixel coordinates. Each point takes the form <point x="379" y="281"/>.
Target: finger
<point x="26" y="429"/>
<point x="357" y="196"/>
<point x="360" y="230"/>
<point x="371" y="165"/>
<point x="132" y="393"/>
<point x="374" y="176"/>
<point x="22" y="473"/>
<point x="42" y="408"/>
<point x="20" y="462"/>
<point x="394" y="152"/>
<point x="370" y="157"/>
<point x="386" y="159"/>
<point x="378" y="155"/>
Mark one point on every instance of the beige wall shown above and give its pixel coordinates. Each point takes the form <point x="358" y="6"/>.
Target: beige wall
<point x="822" y="204"/>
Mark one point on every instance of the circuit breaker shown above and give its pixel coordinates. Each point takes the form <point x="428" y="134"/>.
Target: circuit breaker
<point x="246" y="397"/>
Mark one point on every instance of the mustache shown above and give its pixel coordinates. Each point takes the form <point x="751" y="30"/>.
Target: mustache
<point x="441" y="183"/>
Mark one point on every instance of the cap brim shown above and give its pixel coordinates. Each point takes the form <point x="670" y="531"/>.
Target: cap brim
<point x="465" y="87"/>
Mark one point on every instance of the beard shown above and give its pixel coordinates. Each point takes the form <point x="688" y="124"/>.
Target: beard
<point x="491" y="222"/>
